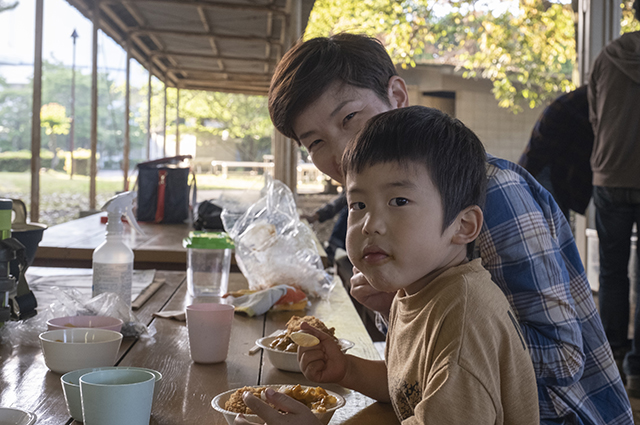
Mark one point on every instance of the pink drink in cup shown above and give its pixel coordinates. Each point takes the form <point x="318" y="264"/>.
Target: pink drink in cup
<point x="209" y="327"/>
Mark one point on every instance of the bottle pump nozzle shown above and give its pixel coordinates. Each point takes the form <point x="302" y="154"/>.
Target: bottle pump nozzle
<point x="118" y="206"/>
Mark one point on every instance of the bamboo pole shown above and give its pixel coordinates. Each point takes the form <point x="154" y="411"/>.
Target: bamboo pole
<point x="127" y="114"/>
<point x="94" y="108"/>
<point x="72" y="132"/>
<point x="178" y="121"/>
<point x="35" y="119"/>
<point x="149" y="115"/>
<point x="164" y="124"/>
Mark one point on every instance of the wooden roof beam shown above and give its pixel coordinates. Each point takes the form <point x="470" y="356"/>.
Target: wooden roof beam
<point x="209" y="5"/>
<point x="230" y="76"/>
<point x="207" y="28"/>
<point x="212" y="57"/>
<point x="153" y="31"/>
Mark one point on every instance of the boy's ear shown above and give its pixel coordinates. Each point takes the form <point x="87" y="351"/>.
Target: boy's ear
<point x="469" y="224"/>
<point x="397" y="91"/>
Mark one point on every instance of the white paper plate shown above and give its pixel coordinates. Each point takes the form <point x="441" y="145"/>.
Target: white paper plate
<point x="11" y="416"/>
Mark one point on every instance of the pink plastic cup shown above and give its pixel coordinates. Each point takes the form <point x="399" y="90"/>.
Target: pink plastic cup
<point x="209" y="327"/>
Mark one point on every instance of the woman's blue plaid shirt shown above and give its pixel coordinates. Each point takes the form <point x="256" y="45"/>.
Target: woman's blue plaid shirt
<point x="528" y="247"/>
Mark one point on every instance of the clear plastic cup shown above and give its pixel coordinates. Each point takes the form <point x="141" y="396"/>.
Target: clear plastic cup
<point x="208" y="263"/>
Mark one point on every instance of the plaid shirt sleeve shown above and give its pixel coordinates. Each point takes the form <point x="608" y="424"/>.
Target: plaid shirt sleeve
<point x="520" y="247"/>
<point x="528" y="247"/>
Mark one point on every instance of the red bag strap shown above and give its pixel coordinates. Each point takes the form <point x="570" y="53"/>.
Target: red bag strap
<point x="162" y="184"/>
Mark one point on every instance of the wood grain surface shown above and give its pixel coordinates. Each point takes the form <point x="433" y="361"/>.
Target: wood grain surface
<point x="186" y="390"/>
<point x="71" y="244"/>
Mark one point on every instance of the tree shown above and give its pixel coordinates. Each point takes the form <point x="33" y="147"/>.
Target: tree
<point x="526" y="49"/>
<point x="239" y="118"/>
<point x="4" y="6"/>
<point x="53" y="118"/>
<point x="629" y="22"/>
<point x="15" y="112"/>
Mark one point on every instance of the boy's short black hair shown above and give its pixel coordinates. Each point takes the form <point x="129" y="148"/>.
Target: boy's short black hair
<point x="309" y="67"/>
<point x="453" y="155"/>
<point x="636" y="6"/>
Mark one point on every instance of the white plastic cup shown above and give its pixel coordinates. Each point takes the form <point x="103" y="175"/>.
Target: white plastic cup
<point x="209" y="327"/>
<point x="117" y="396"/>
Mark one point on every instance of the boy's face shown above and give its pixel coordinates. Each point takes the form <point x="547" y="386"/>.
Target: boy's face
<point x="325" y="126"/>
<point x="395" y="233"/>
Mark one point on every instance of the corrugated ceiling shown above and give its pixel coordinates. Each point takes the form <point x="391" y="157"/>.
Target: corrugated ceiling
<point x="229" y="46"/>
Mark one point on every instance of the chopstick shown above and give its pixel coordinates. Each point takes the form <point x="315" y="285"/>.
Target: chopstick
<point x="146" y="294"/>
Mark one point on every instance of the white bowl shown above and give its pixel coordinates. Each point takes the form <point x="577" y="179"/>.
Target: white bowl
<point x="96" y="322"/>
<point x="287" y="361"/>
<point x="79" y="348"/>
<point x="11" y="416"/>
<point x="219" y="401"/>
<point x="71" y="387"/>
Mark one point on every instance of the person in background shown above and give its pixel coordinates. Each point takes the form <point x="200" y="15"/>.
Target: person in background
<point x="337" y="206"/>
<point x="323" y="92"/>
<point x="415" y="183"/>
<point x="559" y="150"/>
<point x="614" y="111"/>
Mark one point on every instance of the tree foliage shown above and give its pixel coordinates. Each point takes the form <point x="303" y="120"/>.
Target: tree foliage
<point x="526" y="48"/>
<point x="240" y="119"/>
<point x="15" y="111"/>
<point x="54" y="120"/>
<point x="4" y="5"/>
<point x="629" y="23"/>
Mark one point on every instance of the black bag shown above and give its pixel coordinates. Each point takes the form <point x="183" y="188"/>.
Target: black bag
<point x="208" y="217"/>
<point x="163" y="190"/>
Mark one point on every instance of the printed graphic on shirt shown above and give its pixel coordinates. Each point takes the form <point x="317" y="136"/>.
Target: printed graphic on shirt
<point x="405" y="398"/>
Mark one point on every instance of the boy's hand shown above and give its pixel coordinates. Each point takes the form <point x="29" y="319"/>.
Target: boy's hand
<point x="297" y="413"/>
<point x="324" y="362"/>
<point x="368" y="296"/>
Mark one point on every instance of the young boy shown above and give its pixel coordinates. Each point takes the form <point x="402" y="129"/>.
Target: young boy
<point x="415" y="183"/>
<point x="325" y="89"/>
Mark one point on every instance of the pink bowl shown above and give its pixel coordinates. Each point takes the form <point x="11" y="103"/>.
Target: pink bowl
<point x="97" y="322"/>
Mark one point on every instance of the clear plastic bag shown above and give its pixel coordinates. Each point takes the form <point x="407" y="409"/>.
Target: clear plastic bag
<point x="70" y="302"/>
<point x="273" y="247"/>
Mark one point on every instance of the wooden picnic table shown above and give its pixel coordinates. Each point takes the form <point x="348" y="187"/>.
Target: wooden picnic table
<point x="71" y="244"/>
<point x="185" y="392"/>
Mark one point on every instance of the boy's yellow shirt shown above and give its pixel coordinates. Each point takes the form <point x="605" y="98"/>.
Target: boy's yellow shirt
<point x="455" y="354"/>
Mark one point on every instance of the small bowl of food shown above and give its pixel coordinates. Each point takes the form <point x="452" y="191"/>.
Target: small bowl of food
<point x="282" y="351"/>
<point x="323" y="403"/>
<point x="96" y="322"/>
<point x="70" y="349"/>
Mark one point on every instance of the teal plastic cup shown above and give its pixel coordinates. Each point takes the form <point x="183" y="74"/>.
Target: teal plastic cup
<point x="117" y="396"/>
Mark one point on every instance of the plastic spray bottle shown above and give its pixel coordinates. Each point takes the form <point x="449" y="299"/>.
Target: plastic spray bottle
<point x="113" y="259"/>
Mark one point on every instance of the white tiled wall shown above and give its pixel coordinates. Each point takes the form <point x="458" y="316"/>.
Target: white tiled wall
<point x="503" y="133"/>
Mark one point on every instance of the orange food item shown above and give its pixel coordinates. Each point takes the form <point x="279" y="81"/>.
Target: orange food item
<point x="285" y="343"/>
<point x="315" y="398"/>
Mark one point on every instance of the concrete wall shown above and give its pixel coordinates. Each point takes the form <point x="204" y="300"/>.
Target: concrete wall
<point x="503" y="133"/>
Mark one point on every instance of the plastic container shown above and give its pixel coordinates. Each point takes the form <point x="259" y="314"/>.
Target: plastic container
<point x="112" y="261"/>
<point x="5" y="218"/>
<point x="208" y="263"/>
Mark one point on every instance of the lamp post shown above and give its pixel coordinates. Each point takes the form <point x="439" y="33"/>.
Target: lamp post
<point x="73" y="103"/>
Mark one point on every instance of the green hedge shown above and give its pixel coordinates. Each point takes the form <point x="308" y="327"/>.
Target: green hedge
<point x="82" y="161"/>
<point x="20" y="161"/>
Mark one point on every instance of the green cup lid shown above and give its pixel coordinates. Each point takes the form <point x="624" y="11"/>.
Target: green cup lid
<point x="6" y="204"/>
<point x="208" y="240"/>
